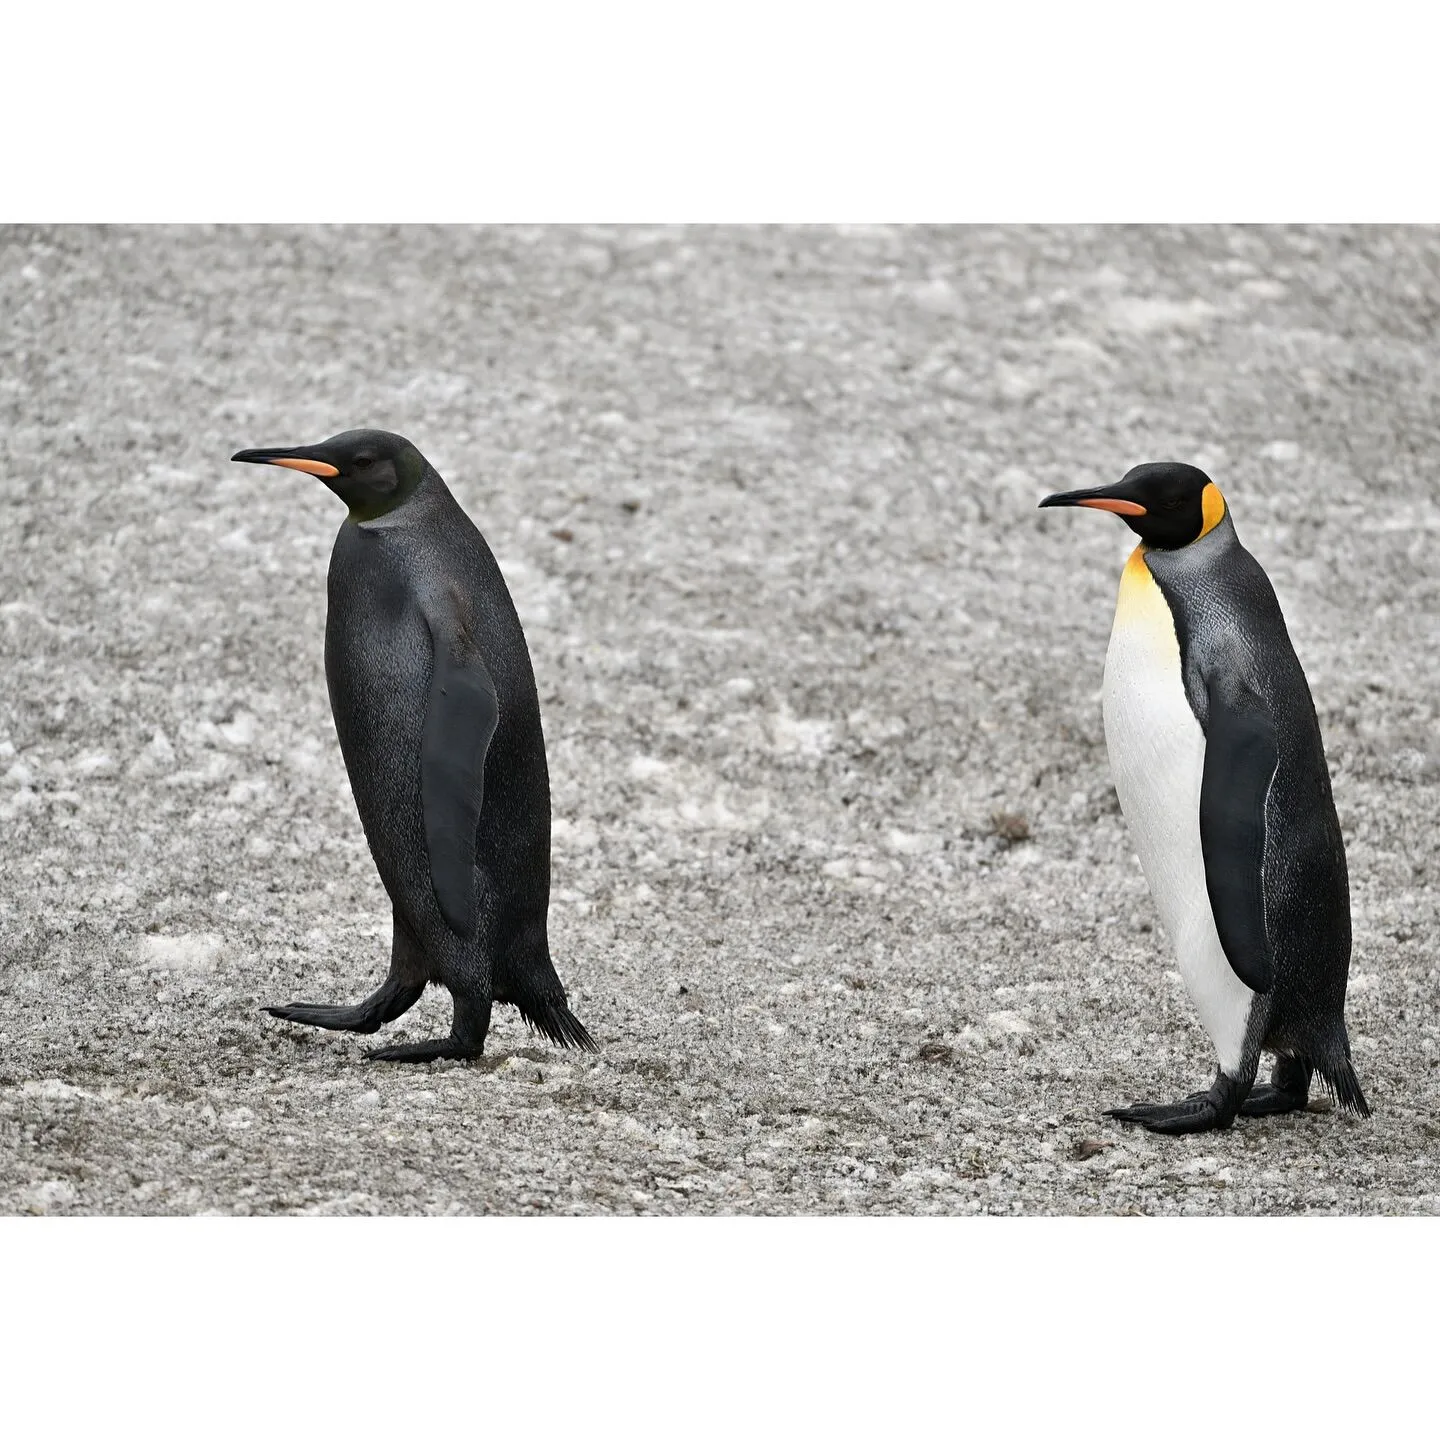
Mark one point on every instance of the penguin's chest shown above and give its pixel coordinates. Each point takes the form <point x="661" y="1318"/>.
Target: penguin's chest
<point x="377" y="665"/>
<point x="1157" y="759"/>
<point x="1157" y="749"/>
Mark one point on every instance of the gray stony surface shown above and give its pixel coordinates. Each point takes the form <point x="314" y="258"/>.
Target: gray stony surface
<point x="766" y="502"/>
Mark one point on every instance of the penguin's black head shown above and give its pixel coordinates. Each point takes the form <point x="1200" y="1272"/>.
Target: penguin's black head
<point x="372" y="471"/>
<point x="1166" y="504"/>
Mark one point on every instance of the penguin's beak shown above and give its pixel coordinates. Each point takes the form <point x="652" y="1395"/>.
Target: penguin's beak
<point x="1103" y="497"/>
<point x="303" y="457"/>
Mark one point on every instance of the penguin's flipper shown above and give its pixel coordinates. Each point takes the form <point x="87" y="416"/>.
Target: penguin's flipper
<point x="460" y="719"/>
<point x="1241" y="755"/>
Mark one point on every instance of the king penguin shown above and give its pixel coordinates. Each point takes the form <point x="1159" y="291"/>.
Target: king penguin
<point x="1218" y="762"/>
<point x="439" y="723"/>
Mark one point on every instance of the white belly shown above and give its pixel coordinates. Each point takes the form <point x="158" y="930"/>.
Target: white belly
<point x="1157" y="758"/>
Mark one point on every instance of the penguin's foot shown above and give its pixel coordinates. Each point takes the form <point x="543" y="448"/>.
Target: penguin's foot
<point x="360" y="1018"/>
<point x="1270" y="1100"/>
<point x="388" y="1003"/>
<point x="1185" y="1117"/>
<point x="1212" y="1109"/>
<point x="1289" y="1089"/>
<point x="421" y="1050"/>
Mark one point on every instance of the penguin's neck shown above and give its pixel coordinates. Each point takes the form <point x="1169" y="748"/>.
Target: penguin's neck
<point x="1195" y="559"/>
<point x="390" y="509"/>
<point x="1139" y="600"/>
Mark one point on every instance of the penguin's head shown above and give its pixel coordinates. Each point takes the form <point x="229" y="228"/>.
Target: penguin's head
<point x="372" y="471"/>
<point x="1167" y="504"/>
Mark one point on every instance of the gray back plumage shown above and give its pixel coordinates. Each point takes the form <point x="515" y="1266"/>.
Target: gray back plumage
<point x="1229" y="624"/>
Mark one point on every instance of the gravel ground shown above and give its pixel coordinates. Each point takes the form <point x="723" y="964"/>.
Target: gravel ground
<point x="840" y="883"/>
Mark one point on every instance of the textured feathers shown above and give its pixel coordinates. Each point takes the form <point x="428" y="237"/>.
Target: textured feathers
<point x="1269" y="820"/>
<point x="1157" y="757"/>
<point x="1340" y="1079"/>
<point x="1241" y="754"/>
<point x="460" y="719"/>
<point x="436" y="711"/>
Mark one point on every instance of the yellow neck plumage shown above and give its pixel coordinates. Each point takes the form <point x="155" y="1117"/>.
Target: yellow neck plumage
<point x="1212" y="509"/>
<point x="1139" y="595"/>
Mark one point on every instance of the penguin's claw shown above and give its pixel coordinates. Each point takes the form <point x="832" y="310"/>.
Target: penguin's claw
<point x="1137" y="1113"/>
<point x="422" y="1050"/>
<point x="358" y="1018"/>
<point x="1184" y="1118"/>
<point x="1142" y="1113"/>
<point x="1212" y="1109"/>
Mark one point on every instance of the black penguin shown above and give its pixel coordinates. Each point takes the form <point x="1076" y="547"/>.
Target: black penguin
<point x="434" y="702"/>
<point x="1220" y="770"/>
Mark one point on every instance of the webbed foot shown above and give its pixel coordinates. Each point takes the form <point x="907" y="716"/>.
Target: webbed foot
<point x="1289" y="1089"/>
<point x="1212" y="1109"/>
<point x="419" y="1051"/>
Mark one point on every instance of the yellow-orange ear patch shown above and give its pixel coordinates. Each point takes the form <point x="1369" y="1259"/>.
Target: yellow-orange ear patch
<point x="1212" y="508"/>
<point x="310" y="467"/>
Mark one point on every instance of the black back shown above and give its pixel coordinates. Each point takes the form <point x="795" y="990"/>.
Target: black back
<point x="1234" y="644"/>
<point x="384" y="574"/>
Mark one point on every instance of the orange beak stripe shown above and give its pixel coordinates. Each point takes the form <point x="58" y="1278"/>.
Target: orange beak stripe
<point x="310" y="467"/>
<point x="1118" y="507"/>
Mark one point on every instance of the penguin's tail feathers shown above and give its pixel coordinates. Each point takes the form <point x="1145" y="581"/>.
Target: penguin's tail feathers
<point x="526" y="979"/>
<point x="554" y="1020"/>
<point x="1341" y="1081"/>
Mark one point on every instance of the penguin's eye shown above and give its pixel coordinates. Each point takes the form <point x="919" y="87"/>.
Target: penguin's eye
<point x="364" y="462"/>
<point x="1175" y="503"/>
